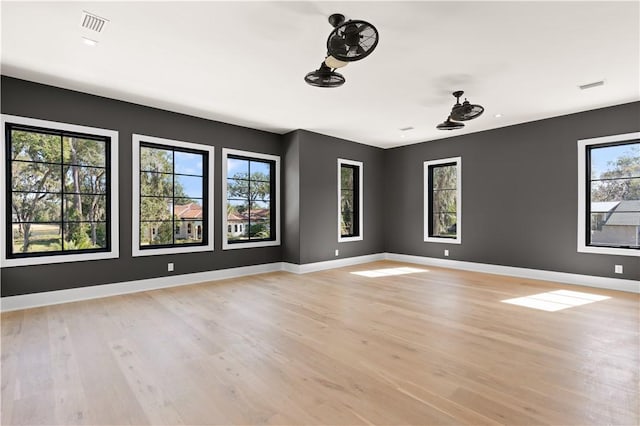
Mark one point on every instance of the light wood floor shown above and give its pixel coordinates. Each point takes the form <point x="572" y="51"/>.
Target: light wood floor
<point x="430" y="348"/>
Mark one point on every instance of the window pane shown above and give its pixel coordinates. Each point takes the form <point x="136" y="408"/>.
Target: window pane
<point x="35" y="177"/>
<point x="156" y="233"/>
<point x="156" y="184"/>
<point x="346" y="177"/>
<point x="347" y="213"/>
<point x="82" y="207"/>
<point x="156" y="160"/>
<point x="89" y="180"/>
<point x="444" y="225"/>
<point x="188" y="186"/>
<point x="260" y="220"/>
<point x="237" y="168"/>
<point x="156" y="208"/>
<point x="187" y="163"/>
<point x="610" y="162"/>
<point x="444" y="177"/>
<point x="260" y="171"/>
<point x="190" y="231"/>
<point x="615" y="190"/>
<point x="190" y="210"/>
<point x="444" y="201"/>
<point x="260" y="191"/>
<point x="84" y="236"/>
<point x="615" y="196"/>
<point x="238" y="219"/>
<point x="36" y="237"/>
<point x="36" y="207"/>
<point x="237" y="188"/>
<point x="33" y="146"/>
<point x="85" y="152"/>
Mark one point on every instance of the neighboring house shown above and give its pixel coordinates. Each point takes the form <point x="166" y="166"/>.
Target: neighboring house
<point x="616" y="223"/>
<point x="237" y="223"/>
<point x="188" y="221"/>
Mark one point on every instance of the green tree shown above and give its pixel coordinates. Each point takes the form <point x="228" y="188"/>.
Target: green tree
<point x="618" y="188"/>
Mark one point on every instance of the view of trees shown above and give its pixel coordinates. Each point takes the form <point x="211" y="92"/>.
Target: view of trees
<point x="248" y="200"/>
<point x="621" y="180"/>
<point x="59" y="192"/>
<point x="347" y="202"/>
<point x="162" y="188"/>
<point x="444" y="200"/>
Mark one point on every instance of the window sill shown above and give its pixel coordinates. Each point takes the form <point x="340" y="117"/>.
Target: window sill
<point x="45" y="260"/>
<point x="348" y="239"/>
<point x="136" y="252"/>
<point x="235" y="246"/>
<point x="443" y="240"/>
<point x="614" y="251"/>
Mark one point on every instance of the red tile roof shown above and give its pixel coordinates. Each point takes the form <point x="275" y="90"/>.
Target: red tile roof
<point x="188" y="211"/>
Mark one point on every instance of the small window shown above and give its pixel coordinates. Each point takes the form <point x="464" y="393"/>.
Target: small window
<point x="251" y="199"/>
<point x="171" y="189"/>
<point x="349" y="200"/>
<point x="61" y="192"/>
<point x="443" y="200"/>
<point x="609" y="195"/>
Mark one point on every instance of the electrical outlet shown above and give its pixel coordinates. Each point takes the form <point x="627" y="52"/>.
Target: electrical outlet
<point x="446" y="253"/>
<point x="170" y="267"/>
<point x="337" y="252"/>
<point x="618" y="269"/>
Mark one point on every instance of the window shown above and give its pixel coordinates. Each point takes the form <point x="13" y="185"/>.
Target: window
<point x="609" y="195"/>
<point x="60" y="189"/>
<point x="171" y="190"/>
<point x="443" y="200"/>
<point x="251" y="199"/>
<point x="349" y="200"/>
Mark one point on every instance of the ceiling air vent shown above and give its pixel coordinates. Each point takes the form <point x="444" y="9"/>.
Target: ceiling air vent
<point x="92" y="22"/>
<point x="591" y="85"/>
<point x="406" y="129"/>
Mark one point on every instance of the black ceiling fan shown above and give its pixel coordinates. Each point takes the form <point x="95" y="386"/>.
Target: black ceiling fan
<point x="349" y="41"/>
<point x="460" y="112"/>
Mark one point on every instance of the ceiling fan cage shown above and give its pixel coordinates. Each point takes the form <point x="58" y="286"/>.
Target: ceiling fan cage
<point x="324" y="77"/>
<point x="352" y="40"/>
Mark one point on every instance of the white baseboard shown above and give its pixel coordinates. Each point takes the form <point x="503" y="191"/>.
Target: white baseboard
<point x="331" y="264"/>
<point x="534" y="274"/>
<point x="25" y="301"/>
<point x="34" y="300"/>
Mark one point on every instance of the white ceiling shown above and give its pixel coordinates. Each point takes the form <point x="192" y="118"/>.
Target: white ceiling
<point x="244" y="62"/>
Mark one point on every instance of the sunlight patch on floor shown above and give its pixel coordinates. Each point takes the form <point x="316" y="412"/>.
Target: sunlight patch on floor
<point x="374" y="273"/>
<point x="558" y="300"/>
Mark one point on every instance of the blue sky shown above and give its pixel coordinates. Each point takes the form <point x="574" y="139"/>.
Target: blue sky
<point x="600" y="157"/>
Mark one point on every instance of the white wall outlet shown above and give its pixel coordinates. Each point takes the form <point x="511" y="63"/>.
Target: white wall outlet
<point x="618" y="269"/>
<point x="170" y="267"/>
<point x="337" y="252"/>
<point x="446" y="253"/>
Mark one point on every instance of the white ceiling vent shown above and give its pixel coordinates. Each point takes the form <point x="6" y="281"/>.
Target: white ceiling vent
<point x="92" y="22"/>
<point x="591" y="85"/>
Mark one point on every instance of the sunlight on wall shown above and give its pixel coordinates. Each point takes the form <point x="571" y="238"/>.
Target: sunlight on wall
<point x="556" y="300"/>
<point x="374" y="273"/>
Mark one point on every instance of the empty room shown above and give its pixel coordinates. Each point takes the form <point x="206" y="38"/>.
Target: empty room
<point x="320" y="213"/>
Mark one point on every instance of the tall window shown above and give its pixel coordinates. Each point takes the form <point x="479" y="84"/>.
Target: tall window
<point x="443" y="200"/>
<point x="609" y="195"/>
<point x="58" y="192"/>
<point x="171" y="196"/>
<point x="251" y="215"/>
<point x="349" y="200"/>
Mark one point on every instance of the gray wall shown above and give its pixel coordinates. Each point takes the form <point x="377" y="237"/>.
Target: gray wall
<point x="34" y="100"/>
<point x="519" y="194"/>
<point x="318" y="198"/>
<point x="519" y="191"/>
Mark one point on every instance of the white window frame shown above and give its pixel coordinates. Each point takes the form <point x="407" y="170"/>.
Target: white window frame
<point x="582" y="194"/>
<point x="113" y="193"/>
<point x="135" y="194"/>
<point x="427" y="207"/>
<point x="360" y="166"/>
<point x="259" y="156"/>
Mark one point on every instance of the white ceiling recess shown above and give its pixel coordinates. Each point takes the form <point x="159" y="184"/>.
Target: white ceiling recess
<point x="244" y="62"/>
